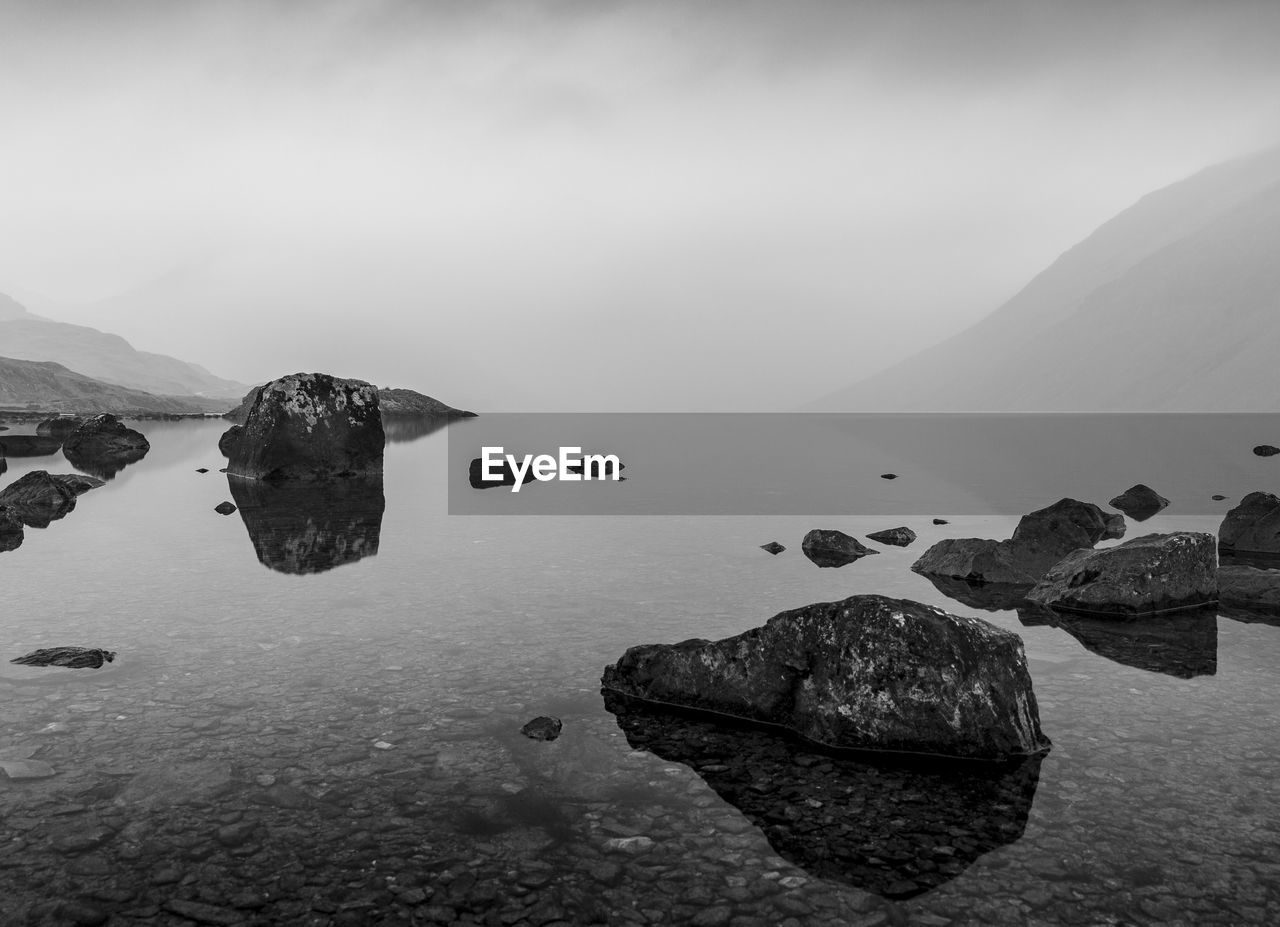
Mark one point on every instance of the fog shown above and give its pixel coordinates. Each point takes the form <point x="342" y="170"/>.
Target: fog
<point x="590" y="205"/>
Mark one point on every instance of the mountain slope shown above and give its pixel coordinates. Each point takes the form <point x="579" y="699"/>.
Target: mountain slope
<point x="104" y="356"/>
<point x="1172" y="305"/>
<point x="52" y="387"/>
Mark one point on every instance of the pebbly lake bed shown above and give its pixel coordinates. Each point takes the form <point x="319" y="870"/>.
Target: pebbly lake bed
<point x="315" y="714"/>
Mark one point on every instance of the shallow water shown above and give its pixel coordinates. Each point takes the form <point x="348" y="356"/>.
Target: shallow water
<point x="291" y="743"/>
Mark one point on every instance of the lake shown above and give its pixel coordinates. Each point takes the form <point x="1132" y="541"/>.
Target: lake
<point x="315" y="713"/>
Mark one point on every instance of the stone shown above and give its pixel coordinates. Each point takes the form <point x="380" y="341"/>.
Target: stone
<point x="888" y="476"/>
<point x="59" y="426"/>
<point x="1266" y="450"/>
<point x="1147" y="575"/>
<point x="11" y="530"/>
<point x="229" y="441"/>
<point x="1246" y="586"/>
<point x="69" y="657"/>
<point x="542" y="728"/>
<point x="831" y="548"/>
<point x="864" y="673"/>
<point x="26" y="769"/>
<point x="202" y="469"/>
<point x="29" y="445"/>
<point x="1217" y="497"/>
<point x="309" y="426"/>
<point x="104" y="446"/>
<point x="896" y="537"/>
<point x="773" y="547"/>
<point x="506" y="475"/>
<point x="40" y="498"/>
<point x="941" y="521"/>
<point x="225" y="508"/>
<point x="1139" y="502"/>
<point x="1252" y="527"/>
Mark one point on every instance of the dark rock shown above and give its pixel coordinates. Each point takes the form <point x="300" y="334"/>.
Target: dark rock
<point x="542" y="728"/>
<point x="1217" y="498"/>
<point x="599" y="468"/>
<point x="309" y="426"/>
<point x="11" y="530"/>
<point x="59" y="426"/>
<point x="1184" y="644"/>
<point x="1249" y="587"/>
<point x="404" y="405"/>
<point x="974" y="561"/>
<point x="871" y="822"/>
<point x="229" y="441"/>
<point x="314" y="526"/>
<point x="70" y="657"/>
<point x="897" y="537"/>
<point x="831" y="548"/>
<point x="4" y="466"/>
<point x="202" y="469"/>
<point x="987" y="597"/>
<point x="1266" y="450"/>
<point x="29" y="445"/>
<point x="866" y="673"/>
<point x="773" y="547"/>
<point x="475" y="475"/>
<point x="224" y="508"/>
<point x="1252" y="527"/>
<point x="1139" y="502"/>
<point x="888" y="476"/>
<point x="941" y="521"/>
<point x="1148" y="575"/>
<point x="39" y="498"/>
<point x="104" y="446"/>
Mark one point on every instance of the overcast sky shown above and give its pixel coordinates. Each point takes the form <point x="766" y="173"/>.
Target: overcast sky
<point x="590" y="205"/>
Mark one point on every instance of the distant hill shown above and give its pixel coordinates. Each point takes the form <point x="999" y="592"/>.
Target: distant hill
<point x="1173" y="305"/>
<point x="392" y="402"/>
<point x="51" y="387"/>
<point x="103" y="356"/>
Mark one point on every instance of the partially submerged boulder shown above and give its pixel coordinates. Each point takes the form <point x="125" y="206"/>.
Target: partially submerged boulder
<point x="60" y="426"/>
<point x="828" y="547"/>
<point x="11" y="530"/>
<point x="104" y="446"/>
<point x="39" y="497"/>
<point x="895" y="537"/>
<point x="309" y="426"/>
<point x="69" y="657"/>
<point x="865" y="673"/>
<point x="1252" y="527"/>
<point x="1246" y="586"/>
<point x="1147" y="575"/>
<point x="1139" y="502"/>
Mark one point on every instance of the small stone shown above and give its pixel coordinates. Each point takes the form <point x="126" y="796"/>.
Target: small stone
<point x="202" y="469"/>
<point x="26" y="769"/>
<point x="888" y="476"/>
<point x="542" y="728"/>
<point x="941" y="521"/>
<point x="773" y="547"/>
<point x="382" y="745"/>
<point x="1266" y="450"/>
<point x="224" y="508"/>
<point x="203" y="913"/>
<point x="630" y="845"/>
<point x="715" y="916"/>
<point x="1218" y="498"/>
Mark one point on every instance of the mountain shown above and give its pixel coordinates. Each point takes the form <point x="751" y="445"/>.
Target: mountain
<point x="51" y="387"/>
<point x="1173" y="305"/>
<point x="105" y="357"/>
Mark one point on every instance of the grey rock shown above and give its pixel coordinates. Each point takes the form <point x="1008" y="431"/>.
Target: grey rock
<point x="1140" y="502"/>
<point x="225" y="508"/>
<point x="831" y="548"/>
<point x="896" y="537"/>
<point x="1266" y="450"/>
<point x="1248" y="586"/>
<point x="69" y="657"/>
<point x="1252" y="527"/>
<point x="542" y="728"/>
<point x="773" y="547"/>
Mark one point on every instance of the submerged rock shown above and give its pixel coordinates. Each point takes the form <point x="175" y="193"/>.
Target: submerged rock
<point x="309" y="426"/>
<point x="104" y="446"/>
<point x="865" y="673"/>
<point x="1139" y="502"/>
<point x="1266" y="450"/>
<point x="773" y="547"/>
<point x="1252" y="527"/>
<point x="542" y="728"/>
<point x="897" y="537"/>
<point x="1148" y="575"/>
<point x="40" y="498"/>
<point x="828" y="547"/>
<point x="69" y="657"/>
<point x="894" y="827"/>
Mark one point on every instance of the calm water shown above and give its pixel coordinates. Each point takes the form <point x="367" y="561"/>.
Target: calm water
<point x="289" y="743"/>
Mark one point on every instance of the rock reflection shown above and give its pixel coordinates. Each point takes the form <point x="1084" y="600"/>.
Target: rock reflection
<point x="1184" y="645"/>
<point x="29" y="445"/>
<point x="987" y="597"/>
<point x="403" y="428"/>
<point x="894" y="827"/>
<point x="313" y="527"/>
<point x="103" y="466"/>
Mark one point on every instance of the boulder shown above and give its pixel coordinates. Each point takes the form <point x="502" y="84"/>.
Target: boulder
<point x="542" y="728"/>
<point x="230" y="438"/>
<point x="69" y="657"/>
<point x="39" y="498"/>
<point x="1245" y="586"/>
<point x="1266" y="450"/>
<point x="1147" y="575"/>
<point x="773" y="547"/>
<point x="895" y="537"/>
<point x="1040" y="540"/>
<point x="1139" y="502"/>
<point x="309" y="426"/>
<point x="11" y="530"/>
<point x="104" y="446"/>
<point x="865" y="673"/>
<point x="941" y="521"/>
<point x="1252" y="527"/>
<point x="59" y="426"/>
<point x="831" y="548"/>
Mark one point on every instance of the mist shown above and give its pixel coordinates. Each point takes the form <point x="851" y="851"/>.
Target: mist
<point x="590" y="206"/>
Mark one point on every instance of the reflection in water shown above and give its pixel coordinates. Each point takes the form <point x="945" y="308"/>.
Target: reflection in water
<point x="29" y="445"/>
<point x="312" y="527"/>
<point x="1182" y="645"/>
<point x="988" y="597"/>
<point x="103" y="466"/>
<point x="895" y="828"/>
<point x="404" y="428"/>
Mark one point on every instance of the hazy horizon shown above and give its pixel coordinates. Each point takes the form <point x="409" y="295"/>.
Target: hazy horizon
<point x="628" y="206"/>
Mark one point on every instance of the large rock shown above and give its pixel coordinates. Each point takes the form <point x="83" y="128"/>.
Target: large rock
<point x="104" y="446"/>
<point x="60" y="426"/>
<point x="310" y="426"/>
<point x="403" y="404"/>
<point x="1139" y="502"/>
<point x="828" y="547"/>
<point x="1252" y="527"/>
<point x="39" y="498"/>
<point x="1040" y="540"/>
<point x="866" y="673"/>
<point x="1151" y="574"/>
<point x="1246" y="586"/>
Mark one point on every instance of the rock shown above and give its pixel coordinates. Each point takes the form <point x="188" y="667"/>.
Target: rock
<point x="309" y="426"/>
<point x="404" y="405"/>
<point x="1139" y="502"/>
<point x="26" y="769"/>
<point x="1247" y="586"/>
<point x="29" y="445"/>
<point x="831" y="548"/>
<point x="542" y="728"/>
<point x="1183" y="644"/>
<point x="1252" y="527"/>
<point x="104" y="446"/>
<point x="1217" y="498"/>
<point x="897" y="537"/>
<point x="225" y="508"/>
<point x="59" y="426"/>
<point x="4" y="466"/>
<point x="865" y="673"/>
<point x="888" y="476"/>
<point x="1148" y="575"/>
<point x="229" y="441"/>
<point x="507" y="477"/>
<point x="941" y="521"/>
<point x="70" y="657"/>
<point x="39" y="498"/>
<point x="11" y="530"/>
<point x="202" y="469"/>
<point x="987" y="597"/>
<point x="773" y="547"/>
<point x="1266" y="450"/>
<point x="1040" y="540"/>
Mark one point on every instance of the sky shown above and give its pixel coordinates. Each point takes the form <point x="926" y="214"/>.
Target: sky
<point x="651" y="205"/>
